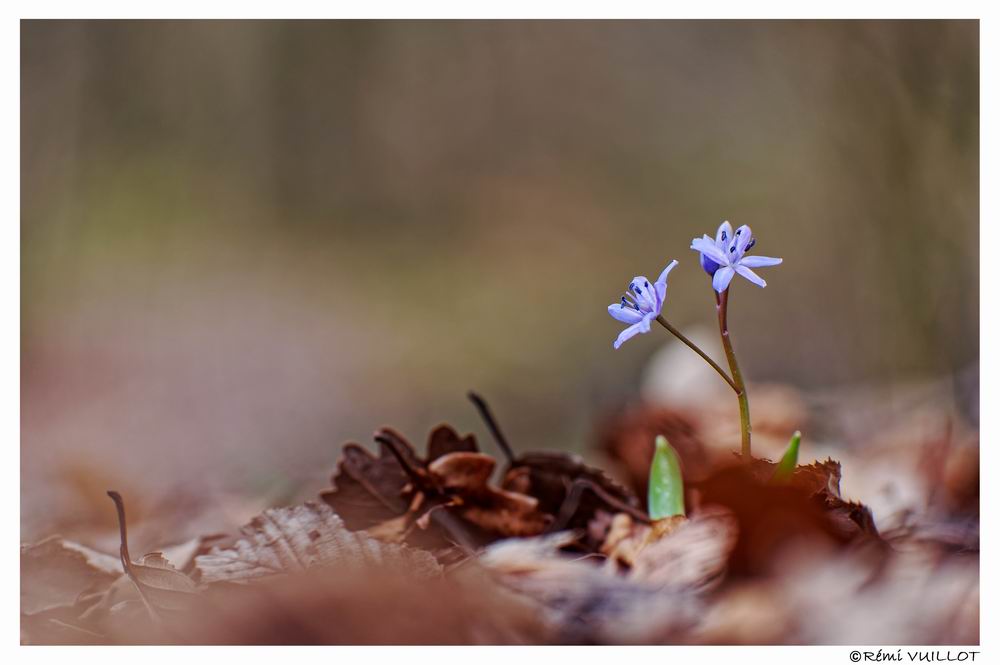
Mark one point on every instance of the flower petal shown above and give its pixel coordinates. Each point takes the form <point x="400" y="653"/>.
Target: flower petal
<point x="751" y="275"/>
<point x="708" y="265"/>
<point x="759" y="261"/>
<point x="743" y="238"/>
<point x="724" y="275"/>
<point x="627" y="334"/>
<point x="661" y="285"/>
<point x="644" y="324"/>
<point x="644" y="295"/>
<point x="624" y="314"/>
<point x="708" y="248"/>
<point x="728" y="228"/>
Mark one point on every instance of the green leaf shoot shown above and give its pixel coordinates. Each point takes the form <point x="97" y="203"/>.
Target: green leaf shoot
<point x="666" y="485"/>
<point x="786" y="467"/>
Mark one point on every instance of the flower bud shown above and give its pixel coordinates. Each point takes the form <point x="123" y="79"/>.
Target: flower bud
<point x="709" y="265"/>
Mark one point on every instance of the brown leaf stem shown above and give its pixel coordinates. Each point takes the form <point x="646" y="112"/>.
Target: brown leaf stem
<point x="123" y="532"/>
<point x="487" y="415"/>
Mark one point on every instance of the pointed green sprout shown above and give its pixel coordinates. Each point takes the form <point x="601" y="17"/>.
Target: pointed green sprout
<point x="786" y="467"/>
<point x="666" y="486"/>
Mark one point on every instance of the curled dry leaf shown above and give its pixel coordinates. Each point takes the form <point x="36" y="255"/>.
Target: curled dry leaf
<point x="368" y="490"/>
<point x="433" y="503"/>
<point x="379" y="494"/>
<point x="563" y="485"/>
<point x="446" y="501"/>
<point x="567" y="488"/>
<point x="821" y="482"/>
<point x="56" y="572"/>
<point x="161" y="585"/>
<point x="162" y="588"/>
<point x="445" y="440"/>
<point x="816" y="478"/>
<point x="182" y="555"/>
<point x="60" y="582"/>
<point x="465" y="475"/>
<point x="807" y="510"/>
<point x="299" y="538"/>
<point x="626" y="537"/>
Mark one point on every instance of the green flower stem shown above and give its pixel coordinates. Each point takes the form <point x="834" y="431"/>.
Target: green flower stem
<point x="677" y="333"/>
<point x="721" y="306"/>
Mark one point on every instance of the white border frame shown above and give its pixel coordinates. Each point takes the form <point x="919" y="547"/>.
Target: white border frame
<point x="10" y="266"/>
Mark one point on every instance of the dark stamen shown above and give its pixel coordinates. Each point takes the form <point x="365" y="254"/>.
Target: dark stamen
<point x="733" y="248"/>
<point x="723" y="236"/>
<point x="738" y="231"/>
<point x="753" y="241"/>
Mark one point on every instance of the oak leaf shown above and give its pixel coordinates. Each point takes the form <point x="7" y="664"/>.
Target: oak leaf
<point x="434" y="503"/>
<point x="465" y="475"/>
<point x="368" y="490"/>
<point x="564" y="486"/>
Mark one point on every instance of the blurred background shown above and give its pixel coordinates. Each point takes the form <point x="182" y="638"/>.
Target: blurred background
<point x="245" y="243"/>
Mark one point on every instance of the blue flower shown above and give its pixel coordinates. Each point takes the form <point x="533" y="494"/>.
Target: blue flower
<point x="641" y="305"/>
<point x="727" y="255"/>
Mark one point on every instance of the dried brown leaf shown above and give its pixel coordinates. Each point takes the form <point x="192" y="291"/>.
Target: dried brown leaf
<point x="162" y="588"/>
<point x="433" y="504"/>
<point x="56" y="572"/>
<point x="674" y="553"/>
<point x="444" y="440"/>
<point x="772" y="516"/>
<point x="627" y="538"/>
<point x="299" y="538"/>
<point x="465" y="477"/>
<point x="160" y="584"/>
<point x="686" y="554"/>
<point x="821" y="482"/>
<point x="550" y="477"/>
<point x="60" y="581"/>
<point x="564" y="486"/>
<point x="462" y="472"/>
<point x="367" y="490"/>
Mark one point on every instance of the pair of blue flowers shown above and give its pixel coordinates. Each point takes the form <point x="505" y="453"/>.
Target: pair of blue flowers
<point x="722" y="258"/>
